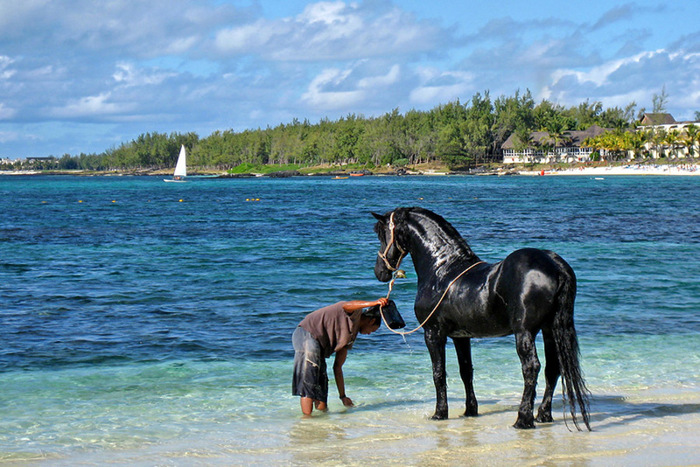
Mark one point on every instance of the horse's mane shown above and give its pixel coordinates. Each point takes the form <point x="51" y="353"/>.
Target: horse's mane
<point x="402" y="215"/>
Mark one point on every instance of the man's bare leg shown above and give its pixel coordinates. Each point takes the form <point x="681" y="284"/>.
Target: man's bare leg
<point x="307" y="405"/>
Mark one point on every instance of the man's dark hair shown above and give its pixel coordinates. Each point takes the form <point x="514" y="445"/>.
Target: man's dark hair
<point x="373" y="313"/>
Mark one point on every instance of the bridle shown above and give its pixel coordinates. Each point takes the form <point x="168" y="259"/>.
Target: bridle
<point x="392" y="241"/>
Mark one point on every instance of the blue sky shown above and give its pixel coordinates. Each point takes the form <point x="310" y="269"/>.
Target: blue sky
<point x="84" y="75"/>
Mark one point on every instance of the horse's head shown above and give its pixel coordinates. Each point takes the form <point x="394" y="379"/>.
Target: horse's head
<point x="391" y="252"/>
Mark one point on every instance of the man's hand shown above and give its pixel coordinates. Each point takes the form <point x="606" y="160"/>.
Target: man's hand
<point x="347" y="402"/>
<point x="382" y="302"/>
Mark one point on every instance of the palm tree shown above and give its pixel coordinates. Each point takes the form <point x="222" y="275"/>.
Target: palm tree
<point x="594" y="143"/>
<point x="673" y="140"/>
<point x="556" y="129"/>
<point x="658" y="138"/>
<point x="614" y="144"/>
<point x="691" y="139"/>
<point x="547" y="144"/>
<point x="635" y="142"/>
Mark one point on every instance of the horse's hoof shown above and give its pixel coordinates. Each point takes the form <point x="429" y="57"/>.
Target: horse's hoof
<point x="471" y="413"/>
<point x="544" y="418"/>
<point x="439" y="417"/>
<point x="524" y="426"/>
<point x="525" y="420"/>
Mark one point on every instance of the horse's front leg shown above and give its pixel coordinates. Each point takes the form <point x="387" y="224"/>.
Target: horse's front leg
<point x="435" y="341"/>
<point x="463" y="346"/>
<point x="525" y="344"/>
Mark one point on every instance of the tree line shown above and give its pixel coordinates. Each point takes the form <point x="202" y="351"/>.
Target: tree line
<point x="456" y="134"/>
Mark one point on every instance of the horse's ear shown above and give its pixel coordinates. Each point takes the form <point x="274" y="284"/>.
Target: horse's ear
<point x="379" y="217"/>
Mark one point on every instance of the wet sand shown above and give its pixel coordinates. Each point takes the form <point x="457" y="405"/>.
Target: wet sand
<point x="648" y="428"/>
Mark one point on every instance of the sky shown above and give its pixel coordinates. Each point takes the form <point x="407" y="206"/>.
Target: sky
<point x="84" y="76"/>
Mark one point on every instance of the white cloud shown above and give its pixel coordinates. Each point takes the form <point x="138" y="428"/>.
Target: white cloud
<point x="320" y="96"/>
<point x="636" y="78"/>
<point x="181" y="45"/>
<point x="248" y="38"/>
<point x="599" y="75"/>
<point x="328" y="13"/>
<point x="374" y="82"/>
<point x="362" y="84"/>
<point x="6" y="113"/>
<point x="128" y="75"/>
<point x="8" y="136"/>
<point x="442" y="86"/>
<point x="91" y="106"/>
<point x="5" y="71"/>
<point x="330" y="31"/>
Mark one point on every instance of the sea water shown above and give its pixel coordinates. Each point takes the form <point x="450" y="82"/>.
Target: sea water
<point x="150" y="323"/>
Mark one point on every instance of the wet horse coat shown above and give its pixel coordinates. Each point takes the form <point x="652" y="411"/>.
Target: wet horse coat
<point x="529" y="291"/>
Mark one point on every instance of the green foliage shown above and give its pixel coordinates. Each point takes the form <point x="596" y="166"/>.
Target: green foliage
<point x="454" y="133"/>
<point x="659" y="101"/>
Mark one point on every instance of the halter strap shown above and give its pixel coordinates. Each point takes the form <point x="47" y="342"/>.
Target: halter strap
<point x="382" y="255"/>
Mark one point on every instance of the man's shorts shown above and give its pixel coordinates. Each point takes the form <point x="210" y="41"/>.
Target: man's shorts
<point x="310" y="376"/>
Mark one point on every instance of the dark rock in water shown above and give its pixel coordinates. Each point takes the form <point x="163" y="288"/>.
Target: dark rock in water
<point x="284" y="174"/>
<point x="398" y="172"/>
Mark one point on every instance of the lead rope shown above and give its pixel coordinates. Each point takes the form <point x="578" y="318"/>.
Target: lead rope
<point x="391" y="286"/>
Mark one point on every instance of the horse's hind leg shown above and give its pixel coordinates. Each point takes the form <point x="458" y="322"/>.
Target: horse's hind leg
<point x="551" y="373"/>
<point x="525" y="344"/>
<point x="463" y="346"/>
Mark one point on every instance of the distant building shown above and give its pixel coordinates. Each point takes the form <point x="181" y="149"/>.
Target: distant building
<point x="541" y="147"/>
<point x="36" y="158"/>
<point x="662" y="124"/>
<point x="657" y="119"/>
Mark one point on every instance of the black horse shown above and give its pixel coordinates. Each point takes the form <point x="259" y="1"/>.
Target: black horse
<point x="460" y="296"/>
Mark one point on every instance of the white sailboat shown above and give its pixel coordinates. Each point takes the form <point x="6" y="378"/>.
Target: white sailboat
<point x="180" y="168"/>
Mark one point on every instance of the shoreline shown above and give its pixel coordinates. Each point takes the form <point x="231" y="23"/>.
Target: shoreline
<point x="598" y="171"/>
<point x="637" y="169"/>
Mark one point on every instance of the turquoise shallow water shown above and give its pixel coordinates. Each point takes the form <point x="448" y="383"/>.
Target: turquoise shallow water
<point x="138" y="315"/>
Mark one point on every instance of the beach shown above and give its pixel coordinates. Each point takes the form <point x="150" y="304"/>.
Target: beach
<point x="631" y="169"/>
<point x="686" y="169"/>
<point x="644" y="428"/>
<point x="634" y="432"/>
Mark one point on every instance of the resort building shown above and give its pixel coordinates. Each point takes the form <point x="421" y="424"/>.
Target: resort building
<point x="656" y="119"/>
<point x="542" y="147"/>
<point x="660" y="133"/>
<point x="668" y="138"/>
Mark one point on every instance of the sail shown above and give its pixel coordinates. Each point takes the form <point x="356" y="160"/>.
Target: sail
<point x="181" y="167"/>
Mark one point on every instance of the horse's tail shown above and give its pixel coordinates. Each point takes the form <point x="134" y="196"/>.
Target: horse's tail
<point x="573" y="385"/>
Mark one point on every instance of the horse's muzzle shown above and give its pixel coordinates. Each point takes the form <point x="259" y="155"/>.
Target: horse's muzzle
<point x="382" y="273"/>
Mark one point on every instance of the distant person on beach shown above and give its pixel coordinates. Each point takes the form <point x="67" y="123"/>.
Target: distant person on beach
<point x="321" y="333"/>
